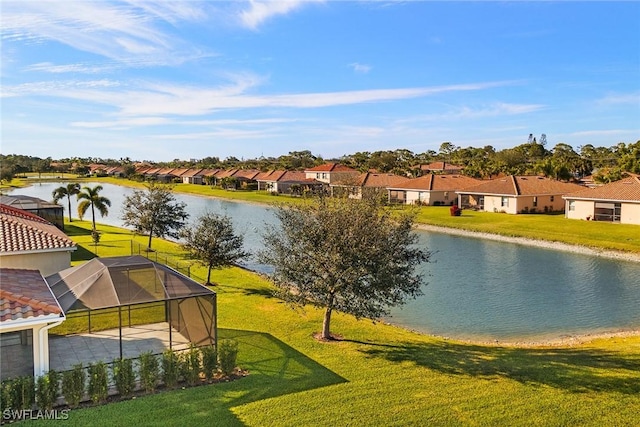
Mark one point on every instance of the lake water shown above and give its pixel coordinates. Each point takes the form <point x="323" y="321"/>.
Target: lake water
<point x="475" y="288"/>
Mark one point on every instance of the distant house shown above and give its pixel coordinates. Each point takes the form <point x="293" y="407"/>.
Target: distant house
<point x="431" y="189"/>
<point x="618" y="201"/>
<point x="440" y="167"/>
<point x="286" y="182"/>
<point x="193" y="176"/>
<point x="517" y="194"/>
<point x="331" y="173"/>
<point x="30" y="242"/>
<point x="51" y="212"/>
<point x="367" y="183"/>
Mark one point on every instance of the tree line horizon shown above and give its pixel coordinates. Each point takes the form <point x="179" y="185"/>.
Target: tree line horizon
<point x="561" y="162"/>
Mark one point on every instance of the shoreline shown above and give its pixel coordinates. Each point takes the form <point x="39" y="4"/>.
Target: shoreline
<point x="543" y="244"/>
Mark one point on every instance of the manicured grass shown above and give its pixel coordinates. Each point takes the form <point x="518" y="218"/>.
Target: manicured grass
<point x="603" y="235"/>
<point x="381" y="375"/>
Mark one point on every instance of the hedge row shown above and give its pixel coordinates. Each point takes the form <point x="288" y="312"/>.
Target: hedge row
<point x="94" y="381"/>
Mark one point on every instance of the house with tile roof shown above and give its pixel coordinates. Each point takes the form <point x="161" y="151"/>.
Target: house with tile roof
<point x="440" y="167"/>
<point x="28" y="241"/>
<point x="617" y="201"/>
<point x="431" y="189"/>
<point x="517" y="194"/>
<point x="331" y="173"/>
<point x="193" y="176"/>
<point x="286" y="182"/>
<point x="28" y="309"/>
<point x="49" y="211"/>
<point x="368" y="183"/>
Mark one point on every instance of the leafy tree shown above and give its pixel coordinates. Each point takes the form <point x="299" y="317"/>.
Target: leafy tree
<point x="212" y="241"/>
<point x="90" y="197"/>
<point x="344" y="255"/>
<point x="154" y="211"/>
<point x="6" y="173"/>
<point x="71" y="189"/>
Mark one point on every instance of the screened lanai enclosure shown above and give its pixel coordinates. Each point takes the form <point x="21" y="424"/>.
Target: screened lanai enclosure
<point x="120" y="293"/>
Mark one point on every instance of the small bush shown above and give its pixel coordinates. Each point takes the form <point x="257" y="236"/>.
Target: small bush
<point x="73" y="385"/>
<point x="47" y="391"/>
<point x="5" y="395"/>
<point x="190" y="365"/>
<point x="170" y="368"/>
<point x="227" y="356"/>
<point x="98" y="382"/>
<point x="209" y="361"/>
<point x="123" y="376"/>
<point x="20" y="393"/>
<point x="149" y="372"/>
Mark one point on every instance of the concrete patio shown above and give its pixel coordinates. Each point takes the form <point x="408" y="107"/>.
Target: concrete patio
<point x="64" y="352"/>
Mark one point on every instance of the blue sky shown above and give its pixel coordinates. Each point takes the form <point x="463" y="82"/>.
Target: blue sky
<point x="186" y="79"/>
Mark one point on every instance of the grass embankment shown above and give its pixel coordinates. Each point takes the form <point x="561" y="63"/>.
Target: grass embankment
<point x="379" y="374"/>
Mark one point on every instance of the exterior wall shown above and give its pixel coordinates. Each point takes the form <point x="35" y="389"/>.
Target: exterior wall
<point x="494" y="204"/>
<point x="582" y="209"/>
<point x="47" y="262"/>
<point x="630" y="213"/>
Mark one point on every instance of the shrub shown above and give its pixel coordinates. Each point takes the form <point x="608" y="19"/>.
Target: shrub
<point x="123" y="376"/>
<point x="18" y="393"/>
<point x="73" y="385"/>
<point x="170" y="368"/>
<point x="149" y="372"/>
<point x="190" y="365"/>
<point x="227" y="355"/>
<point x="98" y="382"/>
<point x="47" y="391"/>
<point x="5" y="395"/>
<point x="209" y="361"/>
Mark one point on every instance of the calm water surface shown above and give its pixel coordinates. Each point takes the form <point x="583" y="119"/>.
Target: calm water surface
<point x="475" y="289"/>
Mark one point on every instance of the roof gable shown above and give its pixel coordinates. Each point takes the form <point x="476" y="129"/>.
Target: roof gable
<point x="433" y="182"/>
<point x="331" y="167"/>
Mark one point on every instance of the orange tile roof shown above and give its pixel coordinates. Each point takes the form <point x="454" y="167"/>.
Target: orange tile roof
<point x="22" y="231"/>
<point x="25" y="294"/>
<point x="380" y="180"/>
<point x="331" y="167"/>
<point x="523" y="186"/>
<point x="246" y="173"/>
<point x="433" y="182"/>
<point x="624" y="190"/>
<point x="271" y="176"/>
<point x="441" y="166"/>
<point x="192" y="172"/>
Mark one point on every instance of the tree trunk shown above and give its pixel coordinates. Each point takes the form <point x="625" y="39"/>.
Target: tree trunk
<point x="150" y="235"/>
<point x="326" y="323"/>
<point x="209" y="275"/>
<point x="93" y="216"/>
<point x="69" y="200"/>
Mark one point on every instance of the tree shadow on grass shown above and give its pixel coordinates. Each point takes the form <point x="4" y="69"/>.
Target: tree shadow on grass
<point x="82" y="254"/>
<point x="275" y="369"/>
<point x="571" y="369"/>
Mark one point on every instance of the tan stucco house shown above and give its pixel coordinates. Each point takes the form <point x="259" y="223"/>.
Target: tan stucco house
<point x="331" y="173"/>
<point x="370" y="183"/>
<point x="618" y="201"/>
<point x="517" y="194"/>
<point x="431" y="189"/>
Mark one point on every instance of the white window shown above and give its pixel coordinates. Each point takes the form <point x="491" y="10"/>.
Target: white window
<point x="505" y="202"/>
<point x="572" y="205"/>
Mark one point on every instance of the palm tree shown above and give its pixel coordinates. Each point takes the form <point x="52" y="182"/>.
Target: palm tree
<point x="68" y="191"/>
<point x="90" y="197"/>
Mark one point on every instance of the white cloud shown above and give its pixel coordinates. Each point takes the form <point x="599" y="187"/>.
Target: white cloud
<point x="360" y="68"/>
<point x="620" y="99"/>
<point x="162" y="99"/>
<point x="260" y="11"/>
<point x="117" y="31"/>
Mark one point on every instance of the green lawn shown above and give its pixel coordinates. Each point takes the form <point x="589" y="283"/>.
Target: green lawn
<point x="379" y="374"/>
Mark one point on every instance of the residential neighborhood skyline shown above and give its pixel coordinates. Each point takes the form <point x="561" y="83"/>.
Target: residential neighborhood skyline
<point x="185" y="80"/>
